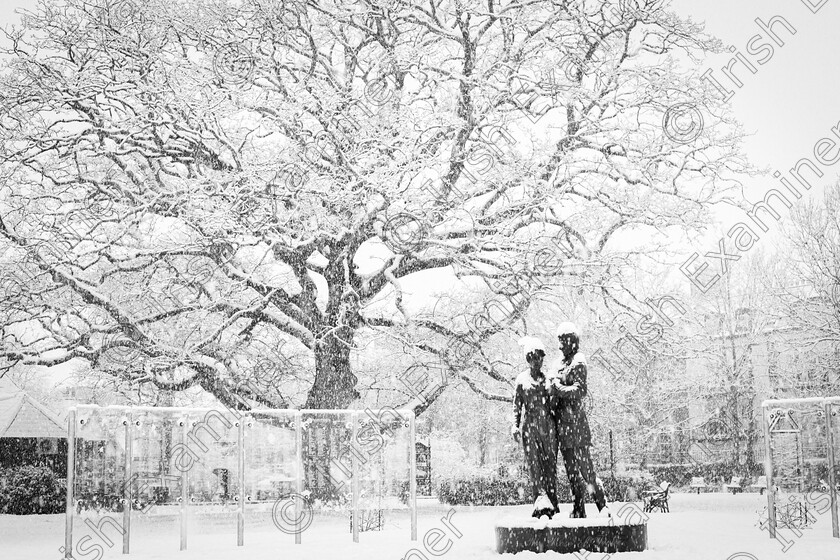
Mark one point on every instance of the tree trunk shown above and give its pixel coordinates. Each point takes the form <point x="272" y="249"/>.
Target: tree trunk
<point x="482" y="445"/>
<point x="751" y="430"/>
<point x="335" y="384"/>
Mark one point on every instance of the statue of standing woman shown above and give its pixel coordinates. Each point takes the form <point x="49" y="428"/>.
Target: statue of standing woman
<point x="536" y="429"/>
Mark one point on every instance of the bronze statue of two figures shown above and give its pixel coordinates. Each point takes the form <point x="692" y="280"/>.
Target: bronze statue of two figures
<point x="549" y="416"/>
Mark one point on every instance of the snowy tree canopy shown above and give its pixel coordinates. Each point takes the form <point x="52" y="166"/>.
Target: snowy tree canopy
<point x="230" y="194"/>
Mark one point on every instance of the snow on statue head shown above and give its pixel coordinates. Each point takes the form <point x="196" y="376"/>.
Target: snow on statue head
<point x="531" y="344"/>
<point x="567" y="334"/>
<point x="566" y="328"/>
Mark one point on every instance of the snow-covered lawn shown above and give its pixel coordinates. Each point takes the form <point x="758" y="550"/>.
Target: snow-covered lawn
<point x="706" y="526"/>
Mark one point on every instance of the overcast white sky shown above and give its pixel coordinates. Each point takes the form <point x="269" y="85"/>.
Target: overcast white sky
<point x="792" y="101"/>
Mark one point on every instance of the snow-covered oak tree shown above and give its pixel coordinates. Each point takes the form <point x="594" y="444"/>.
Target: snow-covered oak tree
<point x="233" y="193"/>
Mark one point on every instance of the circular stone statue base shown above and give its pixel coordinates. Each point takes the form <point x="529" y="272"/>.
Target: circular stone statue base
<point x="570" y="535"/>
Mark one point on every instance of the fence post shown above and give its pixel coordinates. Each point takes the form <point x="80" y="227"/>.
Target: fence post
<point x="240" y="517"/>
<point x="354" y="483"/>
<point x="412" y="483"/>
<point x="768" y="471"/>
<point x="185" y="490"/>
<point x="71" y="483"/>
<point x="800" y="463"/>
<point x="129" y="432"/>
<point x="832" y="479"/>
<point x="299" y="481"/>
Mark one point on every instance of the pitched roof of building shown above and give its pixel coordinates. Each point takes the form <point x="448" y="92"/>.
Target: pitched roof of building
<point x="7" y="385"/>
<point x="21" y="416"/>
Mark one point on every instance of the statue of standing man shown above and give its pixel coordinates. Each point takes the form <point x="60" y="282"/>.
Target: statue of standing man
<point x="568" y="391"/>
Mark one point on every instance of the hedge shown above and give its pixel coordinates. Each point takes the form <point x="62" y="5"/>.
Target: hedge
<point x="31" y="489"/>
<point x="713" y="473"/>
<point x="504" y="490"/>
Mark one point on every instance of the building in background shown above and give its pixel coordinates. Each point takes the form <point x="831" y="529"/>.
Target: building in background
<point x="30" y="433"/>
<point x="762" y="359"/>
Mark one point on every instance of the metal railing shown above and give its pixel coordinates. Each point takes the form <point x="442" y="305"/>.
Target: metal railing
<point x="830" y="408"/>
<point x="128" y="417"/>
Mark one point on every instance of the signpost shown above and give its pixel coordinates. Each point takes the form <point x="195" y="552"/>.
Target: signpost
<point x="424" y="468"/>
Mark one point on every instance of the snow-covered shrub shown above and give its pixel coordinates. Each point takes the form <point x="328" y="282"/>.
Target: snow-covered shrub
<point x="615" y="488"/>
<point x="508" y="490"/>
<point x="493" y="491"/>
<point x="31" y="489"/>
<point x="713" y="473"/>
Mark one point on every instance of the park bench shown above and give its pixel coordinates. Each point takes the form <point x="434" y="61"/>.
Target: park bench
<point x="735" y="485"/>
<point x="698" y="482"/>
<point x="760" y="483"/>
<point x="657" y="498"/>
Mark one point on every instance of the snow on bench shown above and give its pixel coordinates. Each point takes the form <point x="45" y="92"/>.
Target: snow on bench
<point x="698" y="482"/>
<point x="735" y="485"/>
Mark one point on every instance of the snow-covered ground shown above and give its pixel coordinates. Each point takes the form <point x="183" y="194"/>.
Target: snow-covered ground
<point x="707" y="526"/>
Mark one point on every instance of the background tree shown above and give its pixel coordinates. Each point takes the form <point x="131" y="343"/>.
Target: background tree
<point x="241" y="195"/>
<point x="807" y="290"/>
<point x="739" y="328"/>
